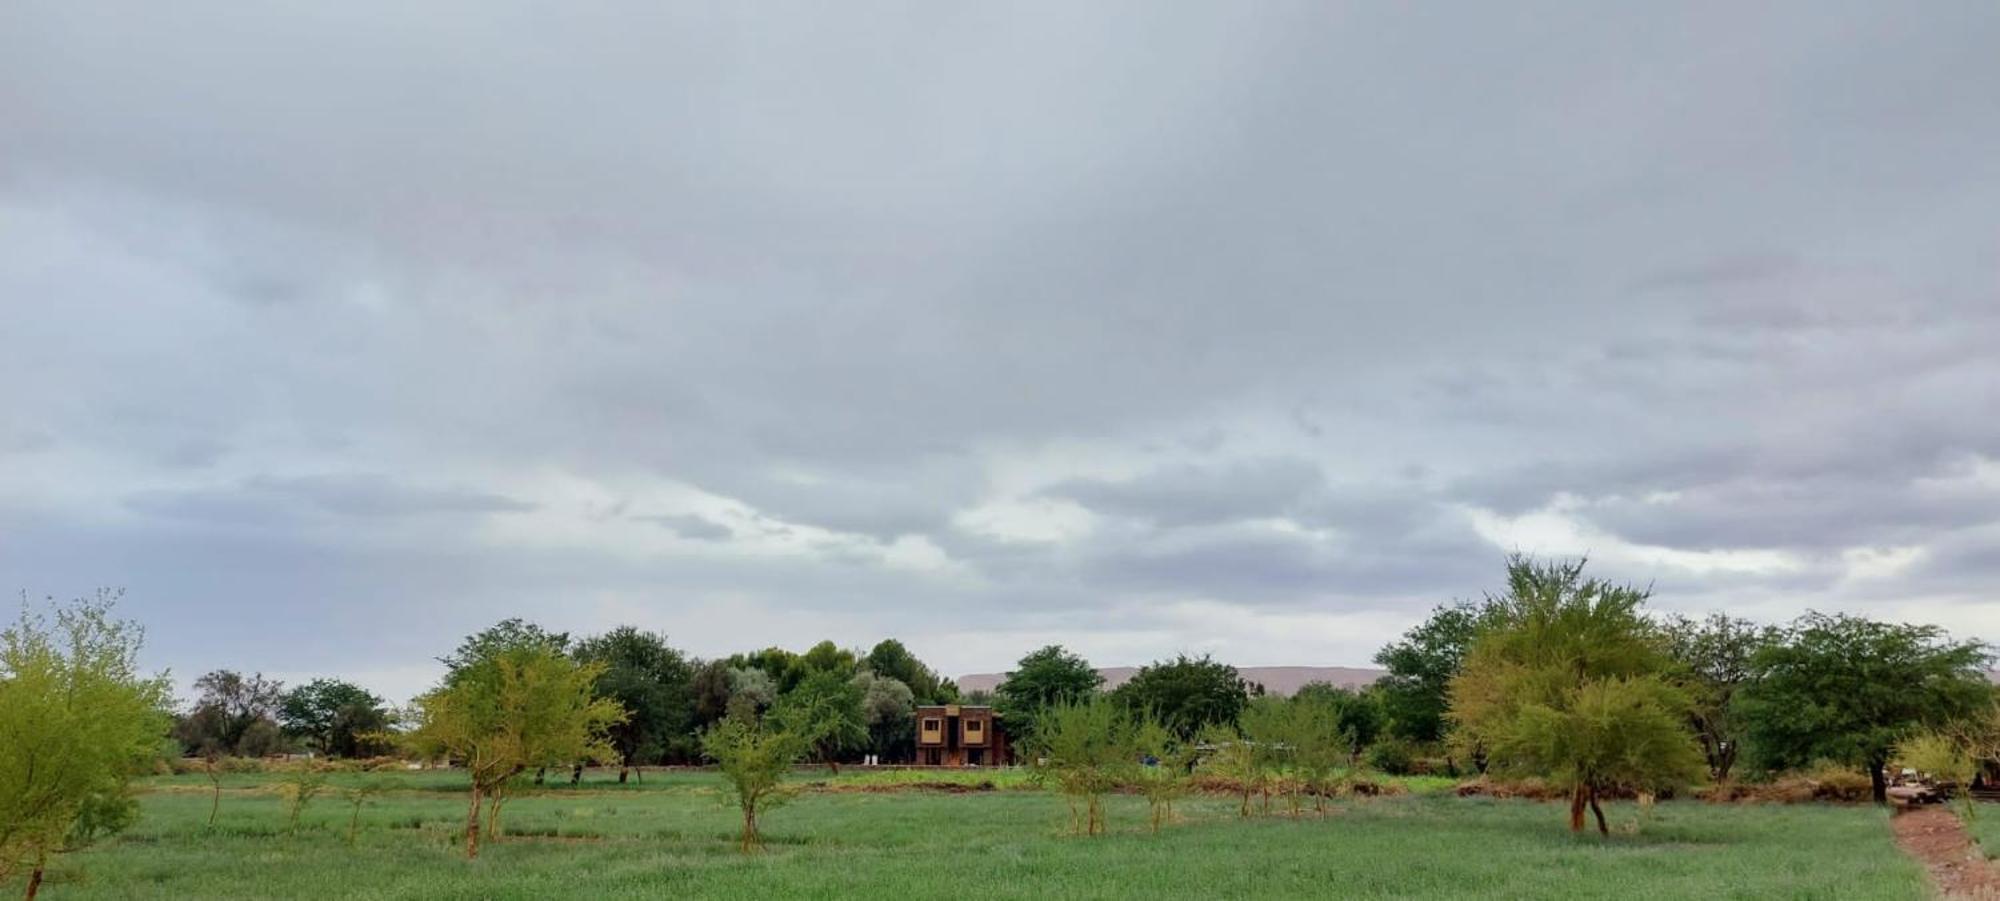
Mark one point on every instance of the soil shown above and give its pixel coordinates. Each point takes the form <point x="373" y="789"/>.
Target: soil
<point x="1958" y="867"/>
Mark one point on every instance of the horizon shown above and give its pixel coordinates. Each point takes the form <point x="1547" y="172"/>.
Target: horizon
<point x="1254" y="332"/>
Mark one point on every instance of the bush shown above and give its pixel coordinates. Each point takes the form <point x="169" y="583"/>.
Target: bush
<point x="1394" y="756"/>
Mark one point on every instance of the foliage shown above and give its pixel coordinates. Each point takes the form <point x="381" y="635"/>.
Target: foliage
<point x="298" y="787"/>
<point x="1421" y="665"/>
<point x="753" y="758"/>
<point x="336" y="718"/>
<point x="1166" y="763"/>
<point x="76" y="722"/>
<point x="890" y="658"/>
<point x="234" y="714"/>
<point x="651" y="681"/>
<point x="751" y="691"/>
<point x="1088" y="748"/>
<point x="506" y="635"/>
<point x="1186" y="694"/>
<point x="520" y="706"/>
<point x="710" y="688"/>
<point x="1943" y="757"/>
<point x="1569" y="683"/>
<point x="1048" y="677"/>
<point x="1712" y="657"/>
<point x="1321" y="732"/>
<point x="825" y="657"/>
<point x="888" y="709"/>
<point x="1360" y="717"/>
<point x="825" y="709"/>
<point x="1850" y="689"/>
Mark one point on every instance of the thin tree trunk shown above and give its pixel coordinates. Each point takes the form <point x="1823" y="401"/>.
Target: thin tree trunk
<point x="1599" y="811"/>
<point x="749" y="830"/>
<point x="576" y="776"/>
<point x="1576" y="804"/>
<point x="214" y="804"/>
<point x="35" y="878"/>
<point x="354" y="823"/>
<point x="472" y="825"/>
<point x="1878" y="781"/>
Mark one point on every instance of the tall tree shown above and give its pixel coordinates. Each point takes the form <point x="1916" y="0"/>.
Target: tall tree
<point x="1570" y="683"/>
<point x="652" y="681"/>
<point x="1844" y="688"/>
<point x="825" y="708"/>
<point x="1416" y="691"/>
<point x="1186" y="694"/>
<point x="1042" y="679"/>
<point x="336" y="718"/>
<point x="888" y="707"/>
<point x="76" y="722"/>
<point x="1356" y="718"/>
<point x="509" y="709"/>
<point x="233" y="714"/>
<point x="781" y="665"/>
<point x="890" y="658"/>
<point x="711" y="689"/>
<point x="1713" y="660"/>
<point x="506" y="634"/>
<point x="826" y="657"/>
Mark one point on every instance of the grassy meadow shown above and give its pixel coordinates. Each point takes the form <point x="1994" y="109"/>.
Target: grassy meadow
<point x="862" y="835"/>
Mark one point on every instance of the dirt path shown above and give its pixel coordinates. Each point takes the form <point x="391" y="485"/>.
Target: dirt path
<point x="1958" y="867"/>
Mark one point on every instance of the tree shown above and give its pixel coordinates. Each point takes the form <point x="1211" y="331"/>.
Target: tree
<point x="711" y="689"/>
<point x="337" y="719"/>
<point x="826" y="657"/>
<point x="1357" y="717"/>
<point x="1088" y="747"/>
<point x="1265" y="750"/>
<point x="1848" y="689"/>
<point x="1713" y="656"/>
<point x="1044" y="678"/>
<point x="1415" y="693"/>
<point x="1569" y="683"/>
<point x="234" y="714"/>
<point x="76" y="722"/>
<point x="507" y="634"/>
<point x="1319" y="741"/>
<point x="1186" y="693"/>
<point x="1163" y="777"/>
<point x="751" y="691"/>
<point x="826" y="710"/>
<point x="515" y="707"/>
<point x="753" y="758"/>
<point x="890" y="658"/>
<point x="781" y="665"/>
<point x="888" y="708"/>
<point x="651" y="681"/>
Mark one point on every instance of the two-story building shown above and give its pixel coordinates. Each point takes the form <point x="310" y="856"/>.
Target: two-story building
<point x="960" y="735"/>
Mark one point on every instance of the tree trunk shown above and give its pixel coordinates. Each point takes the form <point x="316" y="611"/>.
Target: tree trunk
<point x="749" y="830"/>
<point x="1878" y="781"/>
<point x="540" y="774"/>
<point x="35" y="877"/>
<point x="472" y="825"/>
<point x="832" y="765"/>
<point x="214" y="804"/>
<point x="624" y="769"/>
<point x="576" y="776"/>
<point x="1576" y="805"/>
<point x="1599" y="811"/>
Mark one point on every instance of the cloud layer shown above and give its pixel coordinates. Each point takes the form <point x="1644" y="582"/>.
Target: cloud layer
<point x="335" y="334"/>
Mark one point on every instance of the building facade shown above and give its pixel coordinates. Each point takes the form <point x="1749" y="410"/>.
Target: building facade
<point x="961" y="735"/>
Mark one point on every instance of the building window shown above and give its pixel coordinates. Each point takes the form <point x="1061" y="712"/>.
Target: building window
<point x="975" y="730"/>
<point x="933" y="728"/>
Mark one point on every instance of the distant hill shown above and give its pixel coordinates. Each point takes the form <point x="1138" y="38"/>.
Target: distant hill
<point x="1279" y="680"/>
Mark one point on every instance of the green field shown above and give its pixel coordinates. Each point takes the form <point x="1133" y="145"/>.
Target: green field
<point x="674" y="836"/>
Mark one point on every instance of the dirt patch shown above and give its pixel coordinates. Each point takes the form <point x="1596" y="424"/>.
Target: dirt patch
<point x="889" y="788"/>
<point x="1936" y="837"/>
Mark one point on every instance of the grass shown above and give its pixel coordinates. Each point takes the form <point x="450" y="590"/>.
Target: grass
<point x="673" y="835"/>
<point x="1985" y="827"/>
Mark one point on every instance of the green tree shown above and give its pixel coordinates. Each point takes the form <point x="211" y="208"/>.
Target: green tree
<point x="1319" y="742"/>
<point x="1713" y="659"/>
<point x="751" y="691"/>
<point x="1416" y="691"/>
<point x="826" y="657"/>
<point x="888" y="707"/>
<point x="234" y="714"/>
<point x="507" y="634"/>
<point x="711" y="689"/>
<point x="781" y="665"/>
<point x="1044" y="678"/>
<point x="1266" y="749"/>
<point x="1848" y="689"/>
<point x="516" y="707"/>
<point x="336" y="718"/>
<point x="1088" y="747"/>
<point x="1186" y="693"/>
<point x="1570" y="683"/>
<point x="1166" y="760"/>
<point x="652" y="682"/>
<point x="825" y="708"/>
<point x="890" y="658"/>
<point x="753" y="758"/>
<point x="77" y="720"/>
<point x="1358" y="717"/>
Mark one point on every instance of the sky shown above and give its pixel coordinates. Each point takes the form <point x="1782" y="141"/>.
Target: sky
<point x="334" y="332"/>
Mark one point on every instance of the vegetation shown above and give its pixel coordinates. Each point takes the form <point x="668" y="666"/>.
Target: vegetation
<point x="1416" y="692"/>
<point x="1849" y="689"/>
<point x="76" y="721"/>
<point x="1713" y="659"/>
<point x="654" y="684"/>
<point x="1186" y="694"/>
<point x="336" y="718"/>
<point x="753" y="757"/>
<point x="1569" y="683"/>
<point x="1046" y="678"/>
<point x="1087" y="748"/>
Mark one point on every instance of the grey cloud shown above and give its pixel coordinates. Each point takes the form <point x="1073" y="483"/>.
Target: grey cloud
<point x="271" y="498"/>
<point x="1191" y="495"/>
<point x="695" y="527"/>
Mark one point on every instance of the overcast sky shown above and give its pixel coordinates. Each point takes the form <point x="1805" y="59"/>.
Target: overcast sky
<point x="334" y="331"/>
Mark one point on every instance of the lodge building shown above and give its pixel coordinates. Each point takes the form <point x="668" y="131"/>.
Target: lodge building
<point x="961" y="735"/>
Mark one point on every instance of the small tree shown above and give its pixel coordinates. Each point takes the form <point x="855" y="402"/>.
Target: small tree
<point x="1087" y="747"/>
<point x="1319" y="745"/>
<point x="76" y="721"/>
<point x="1944" y="757"/>
<point x="520" y="706"/>
<point x="753" y="757"/>
<point x="1166" y="759"/>
<point x="1266" y="748"/>
<point x="298" y="787"/>
<point x="1569" y="683"/>
<point x="1849" y="689"/>
<point x="1232" y="756"/>
<point x="358" y="796"/>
